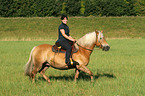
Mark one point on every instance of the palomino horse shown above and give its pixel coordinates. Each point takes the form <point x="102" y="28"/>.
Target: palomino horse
<point x="42" y="57"/>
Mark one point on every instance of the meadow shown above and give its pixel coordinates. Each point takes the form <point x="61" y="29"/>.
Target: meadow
<point x="118" y="72"/>
<point x="36" y="29"/>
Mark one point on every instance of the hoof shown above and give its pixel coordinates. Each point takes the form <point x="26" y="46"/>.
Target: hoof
<point x="92" y="81"/>
<point x="48" y="81"/>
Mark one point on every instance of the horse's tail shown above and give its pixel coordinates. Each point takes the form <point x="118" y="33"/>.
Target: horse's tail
<point x="29" y="65"/>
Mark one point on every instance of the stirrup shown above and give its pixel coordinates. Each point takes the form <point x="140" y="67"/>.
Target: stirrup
<point x="73" y="62"/>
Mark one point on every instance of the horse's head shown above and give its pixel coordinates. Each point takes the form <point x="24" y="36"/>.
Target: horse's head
<point x="101" y="42"/>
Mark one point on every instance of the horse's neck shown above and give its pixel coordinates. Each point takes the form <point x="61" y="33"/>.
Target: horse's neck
<point x="87" y="50"/>
<point x="88" y="41"/>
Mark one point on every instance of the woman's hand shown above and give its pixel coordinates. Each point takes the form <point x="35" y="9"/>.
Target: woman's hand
<point x="72" y="39"/>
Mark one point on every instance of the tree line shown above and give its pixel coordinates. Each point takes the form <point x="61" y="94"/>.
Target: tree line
<point x="45" y="8"/>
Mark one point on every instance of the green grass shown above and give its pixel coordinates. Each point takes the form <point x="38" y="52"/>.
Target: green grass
<point x="118" y="72"/>
<point x="47" y="28"/>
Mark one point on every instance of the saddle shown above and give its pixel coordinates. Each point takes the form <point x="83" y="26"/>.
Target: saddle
<point x="58" y="49"/>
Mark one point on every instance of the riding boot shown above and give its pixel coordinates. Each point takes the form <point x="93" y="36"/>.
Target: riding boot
<point x="75" y="62"/>
<point x="68" y="63"/>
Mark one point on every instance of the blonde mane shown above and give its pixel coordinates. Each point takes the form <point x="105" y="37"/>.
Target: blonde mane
<point x="88" y="39"/>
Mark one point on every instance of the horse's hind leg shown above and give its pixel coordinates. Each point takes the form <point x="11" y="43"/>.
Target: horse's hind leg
<point x="86" y="70"/>
<point x="34" y="72"/>
<point x="77" y="74"/>
<point x="45" y="66"/>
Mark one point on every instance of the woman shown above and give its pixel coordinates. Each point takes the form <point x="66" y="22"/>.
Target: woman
<point x="64" y="39"/>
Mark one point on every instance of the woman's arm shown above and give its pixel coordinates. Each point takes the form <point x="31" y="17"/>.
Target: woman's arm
<point x="67" y="37"/>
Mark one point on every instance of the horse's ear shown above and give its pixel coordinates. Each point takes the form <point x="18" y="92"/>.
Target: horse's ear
<point x="96" y="32"/>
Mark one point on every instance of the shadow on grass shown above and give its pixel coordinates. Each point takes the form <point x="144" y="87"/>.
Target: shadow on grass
<point x="86" y="77"/>
<point x="82" y="76"/>
<point x="104" y="75"/>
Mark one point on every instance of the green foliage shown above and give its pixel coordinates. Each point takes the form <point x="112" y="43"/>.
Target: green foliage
<point x="92" y="8"/>
<point x="63" y="11"/>
<point x="42" y="8"/>
<point x="25" y="8"/>
<point x="48" y="8"/>
<point x="6" y="8"/>
<point x="82" y="10"/>
<point x="140" y="7"/>
<point x="73" y="7"/>
<point x="110" y="8"/>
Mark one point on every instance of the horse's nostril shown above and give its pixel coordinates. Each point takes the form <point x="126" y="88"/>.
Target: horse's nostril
<point x="106" y="48"/>
<point x="103" y="48"/>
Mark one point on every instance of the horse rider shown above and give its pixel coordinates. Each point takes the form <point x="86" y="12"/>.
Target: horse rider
<point x="64" y="38"/>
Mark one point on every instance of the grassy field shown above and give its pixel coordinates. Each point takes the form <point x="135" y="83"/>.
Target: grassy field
<point x="46" y="28"/>
<point x="118" y="72"/>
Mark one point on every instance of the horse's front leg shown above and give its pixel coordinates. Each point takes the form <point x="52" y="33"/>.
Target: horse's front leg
<point x="77" y="74"/>
<point x="86" y="70"/>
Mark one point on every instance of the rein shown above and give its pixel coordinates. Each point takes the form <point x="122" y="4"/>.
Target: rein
<point x="84" y="47"/>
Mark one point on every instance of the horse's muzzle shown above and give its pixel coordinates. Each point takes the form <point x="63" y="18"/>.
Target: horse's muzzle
<point x="106" y="48"/>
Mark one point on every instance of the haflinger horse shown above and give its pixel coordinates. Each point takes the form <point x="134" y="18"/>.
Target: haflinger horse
<point x="42" y="57"/>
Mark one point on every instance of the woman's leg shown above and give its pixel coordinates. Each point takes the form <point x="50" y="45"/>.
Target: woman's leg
<point x="67" y="47"/>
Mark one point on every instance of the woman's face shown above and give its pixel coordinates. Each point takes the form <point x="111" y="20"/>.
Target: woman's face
<point x="64" y="20"/>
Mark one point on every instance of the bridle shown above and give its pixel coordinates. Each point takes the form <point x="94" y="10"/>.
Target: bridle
<point x="99" y="38"/>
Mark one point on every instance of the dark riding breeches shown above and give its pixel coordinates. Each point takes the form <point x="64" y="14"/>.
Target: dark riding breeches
<point x="65" y="45"/>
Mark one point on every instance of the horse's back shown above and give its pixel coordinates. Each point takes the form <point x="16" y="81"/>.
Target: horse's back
<point x="44" y="46"/>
